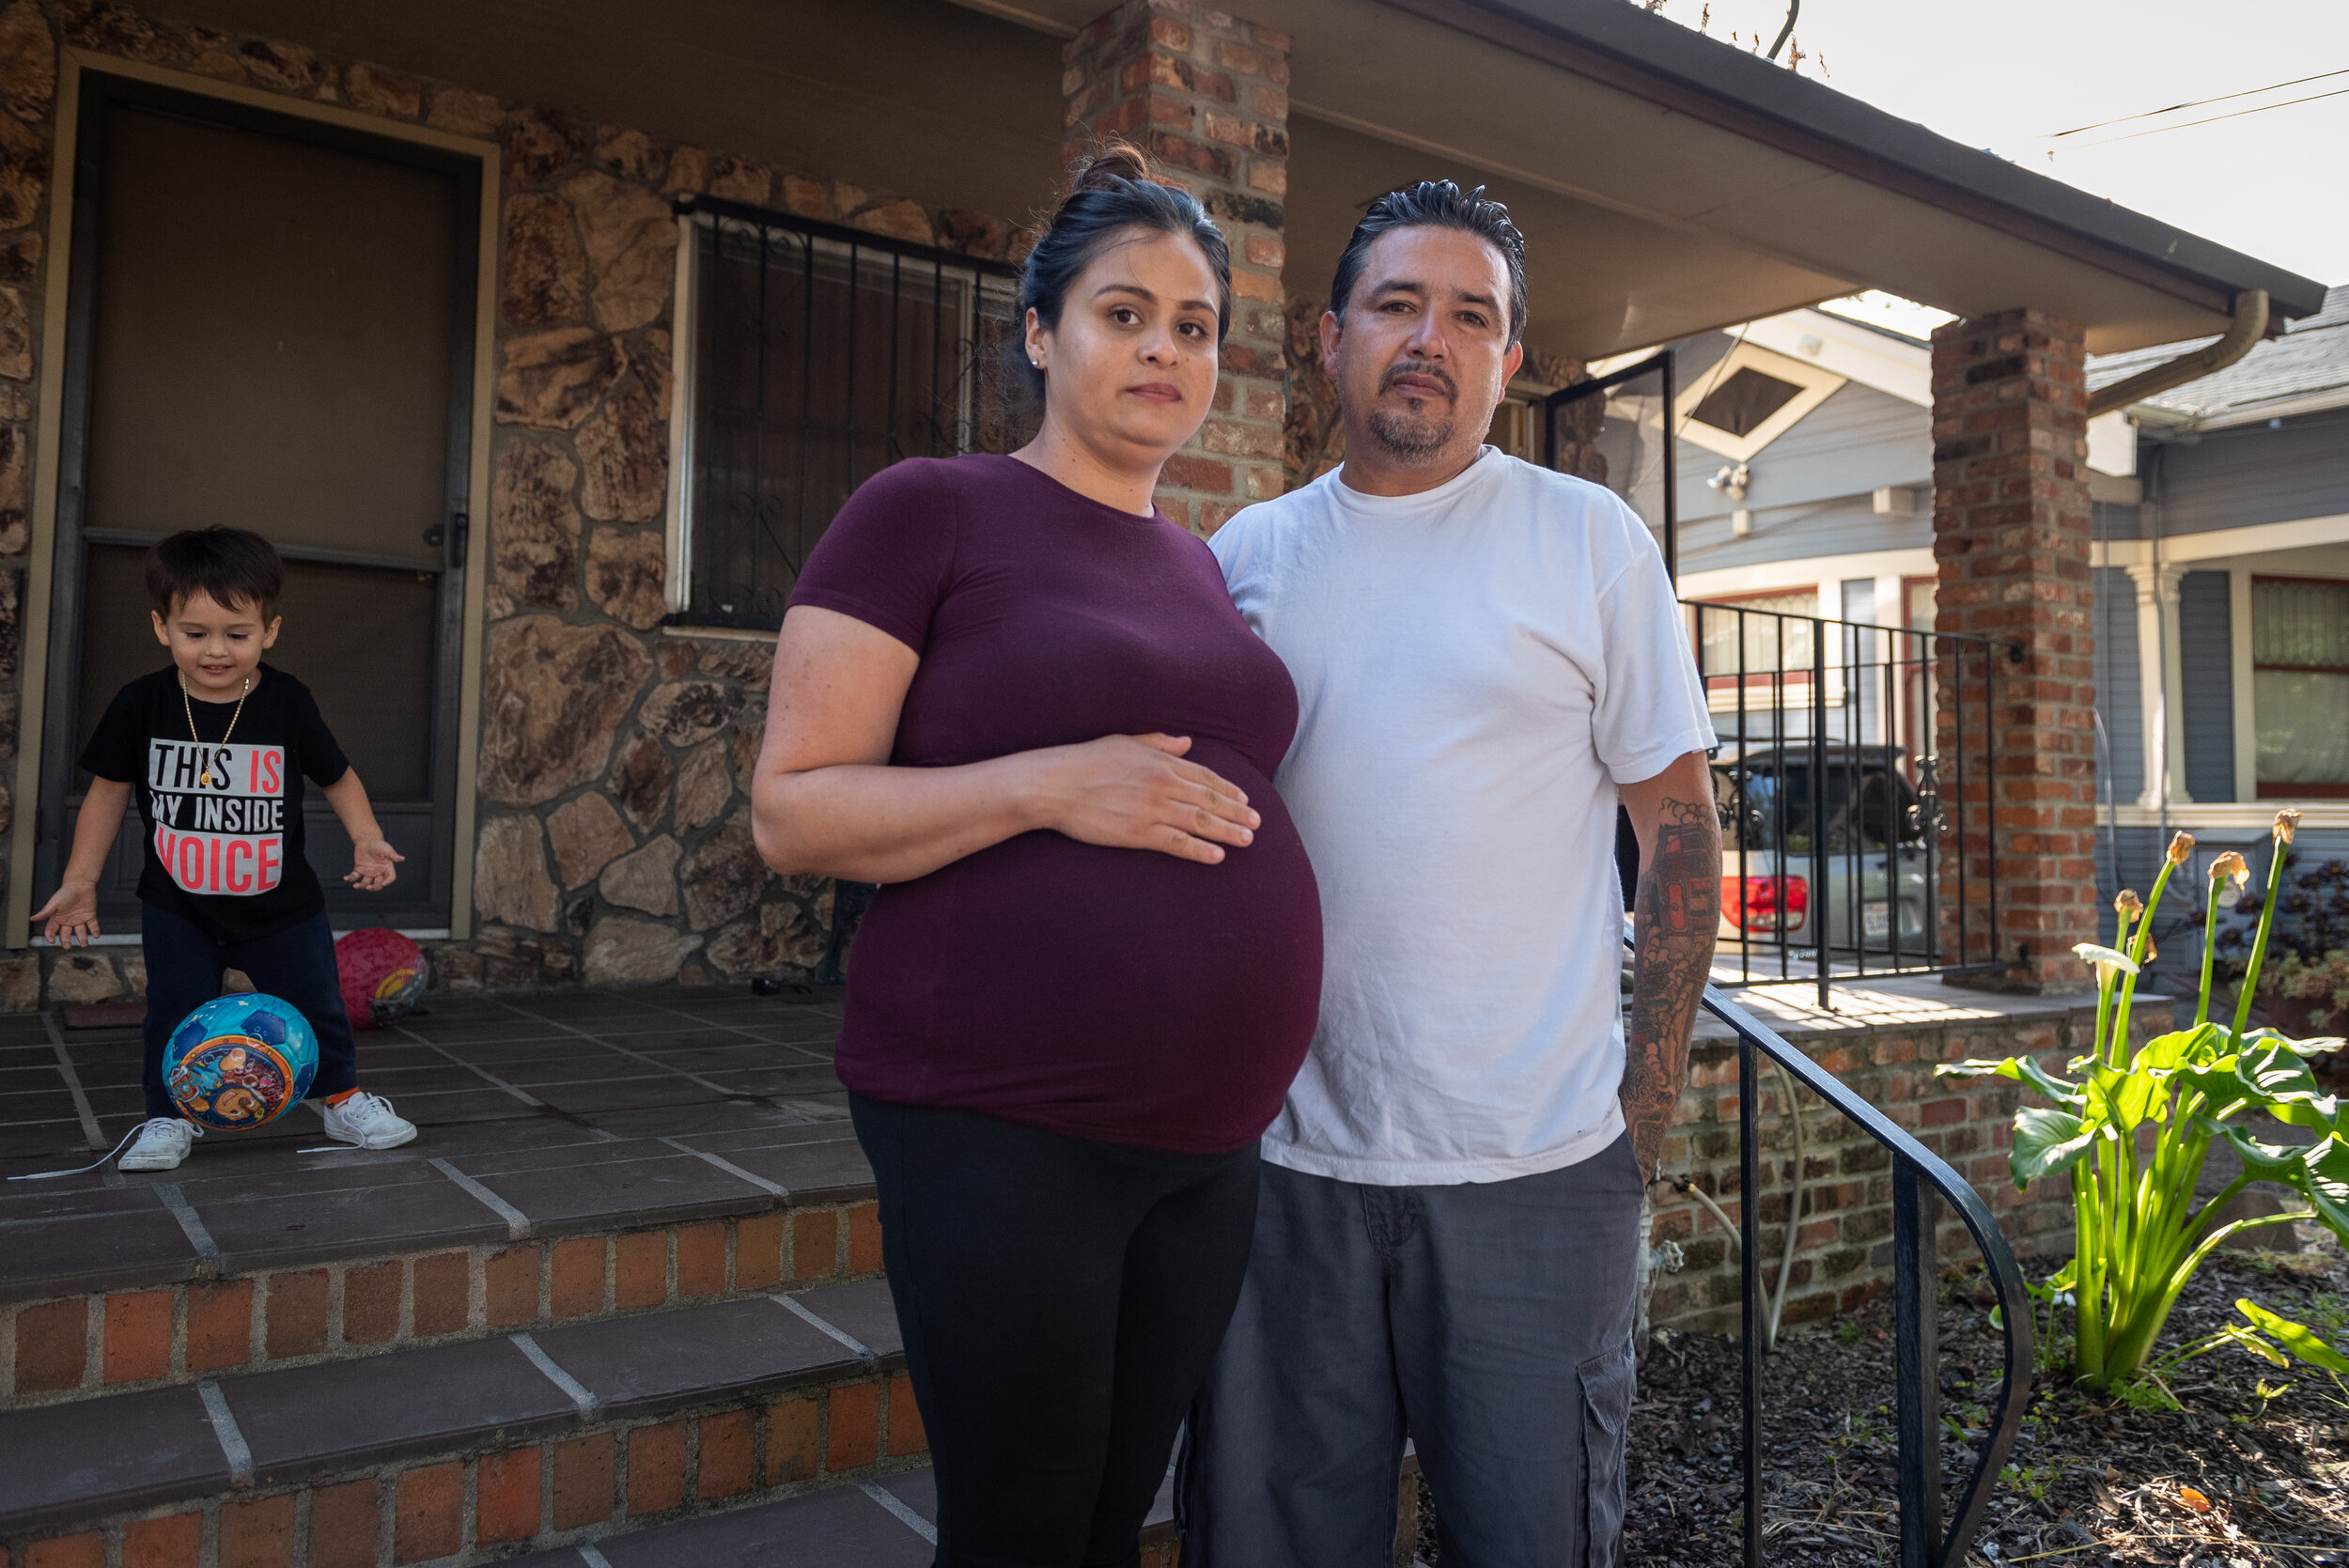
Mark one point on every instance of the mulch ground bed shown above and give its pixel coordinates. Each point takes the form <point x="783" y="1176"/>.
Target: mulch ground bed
<point x="2252" y="1470"/>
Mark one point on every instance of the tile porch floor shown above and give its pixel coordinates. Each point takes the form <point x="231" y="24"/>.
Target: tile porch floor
<point x="550" y="1108"/>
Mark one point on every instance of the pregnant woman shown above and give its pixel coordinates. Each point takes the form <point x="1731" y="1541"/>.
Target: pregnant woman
<point x="1014" y="693"/>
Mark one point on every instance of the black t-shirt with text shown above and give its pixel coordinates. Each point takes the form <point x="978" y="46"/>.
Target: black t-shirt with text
<point x="221" y="809"/>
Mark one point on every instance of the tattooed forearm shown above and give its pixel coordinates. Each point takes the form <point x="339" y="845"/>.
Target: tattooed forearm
<point x="1677" y="914"/>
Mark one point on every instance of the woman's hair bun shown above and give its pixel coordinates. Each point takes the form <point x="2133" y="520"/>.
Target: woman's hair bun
<point x="1111" y="195"/>
<point x="1110" y="164"/>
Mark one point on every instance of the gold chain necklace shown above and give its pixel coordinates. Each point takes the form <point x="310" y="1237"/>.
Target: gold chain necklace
<point x="189" y="709"/>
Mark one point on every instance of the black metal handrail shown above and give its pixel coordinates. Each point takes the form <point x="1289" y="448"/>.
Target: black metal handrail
<point x="1918" y="1419"/>
<point x="1885" y="728"/>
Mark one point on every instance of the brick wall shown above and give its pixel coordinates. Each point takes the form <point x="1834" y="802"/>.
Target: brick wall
<point x="77" y="1345"/>
<point x="2009" y="521"/>
<point x="1205" y="96"/>
<point x="497" y="1505"/>
<point x="1842" y="1246"/>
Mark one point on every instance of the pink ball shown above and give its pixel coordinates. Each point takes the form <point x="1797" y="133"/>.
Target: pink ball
<point x="383" y="975"/>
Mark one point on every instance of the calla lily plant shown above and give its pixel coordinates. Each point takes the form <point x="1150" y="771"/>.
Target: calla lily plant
<point x="2133" y="1129"/>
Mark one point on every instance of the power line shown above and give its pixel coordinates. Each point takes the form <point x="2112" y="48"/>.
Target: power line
<point x="2209" y="119"/>
<point x="2199" y="102"/>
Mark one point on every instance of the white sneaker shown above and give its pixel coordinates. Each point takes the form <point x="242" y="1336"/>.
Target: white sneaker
<point x="366" y="1120"/>
<point x="163" y="1143"/>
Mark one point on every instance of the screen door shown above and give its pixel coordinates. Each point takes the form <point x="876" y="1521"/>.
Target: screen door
<point x="271" y="327"/>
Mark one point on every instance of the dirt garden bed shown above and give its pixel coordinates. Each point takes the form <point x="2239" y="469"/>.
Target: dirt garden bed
<point x="2253" y="1470"/>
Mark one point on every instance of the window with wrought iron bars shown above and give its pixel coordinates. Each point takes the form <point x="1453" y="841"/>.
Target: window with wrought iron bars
<point x="810" y="358"/>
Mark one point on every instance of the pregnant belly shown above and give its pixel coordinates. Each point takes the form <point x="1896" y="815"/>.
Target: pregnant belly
<point x="1118" y="994"/>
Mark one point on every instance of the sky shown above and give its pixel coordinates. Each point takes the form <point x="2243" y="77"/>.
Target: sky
<point x="2012" y="76"/>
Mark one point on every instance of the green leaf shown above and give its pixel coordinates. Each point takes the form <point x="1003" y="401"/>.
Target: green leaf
<point x="2021" y="1069"/>
<point x="2216" y="1083"/>
<point x="2316" y="1113"/>
<point x="2127" y="1098"/>
<point x="2255" y="1344"/>
<point x="2186" y="1048"/>
<point x="2304" y="1342"/>
<point x="2047" y="1141"/>
<point x="2269" y="1067"/>
<point x="2271" y="1162"/>
<point x="2323" y="1180"/>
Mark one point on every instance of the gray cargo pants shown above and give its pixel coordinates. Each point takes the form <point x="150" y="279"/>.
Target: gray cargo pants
<point x="1488" y="1322"/>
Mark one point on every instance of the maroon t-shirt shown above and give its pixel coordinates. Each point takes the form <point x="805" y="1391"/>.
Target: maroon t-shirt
<point x="1122" y="995"/>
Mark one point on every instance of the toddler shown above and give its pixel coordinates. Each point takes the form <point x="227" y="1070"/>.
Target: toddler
<point x="215" y="749"/>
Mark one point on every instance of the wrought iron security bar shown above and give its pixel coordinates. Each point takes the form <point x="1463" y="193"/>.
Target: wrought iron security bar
<point x="1918" y="1176"/>
<point x="1851" y="781"/>
<point x="813" y="356"/>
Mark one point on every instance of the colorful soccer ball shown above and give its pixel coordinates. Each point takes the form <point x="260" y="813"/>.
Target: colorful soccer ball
<point x="240" y="1062"/>
<point x="383" y="975"/>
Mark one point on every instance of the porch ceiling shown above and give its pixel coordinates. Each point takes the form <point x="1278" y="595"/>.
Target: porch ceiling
<point x="918" y="97"/>
<point x="1695" y="185"/>
<point x="1666" y="184"/>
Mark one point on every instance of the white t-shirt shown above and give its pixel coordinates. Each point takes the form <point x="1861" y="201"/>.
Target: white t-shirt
<point x="1477" y="667"/>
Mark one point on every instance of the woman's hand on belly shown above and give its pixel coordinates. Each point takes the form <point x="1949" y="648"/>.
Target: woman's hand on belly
<point x="1136" y="792"/>
<point x="827" y="800"/>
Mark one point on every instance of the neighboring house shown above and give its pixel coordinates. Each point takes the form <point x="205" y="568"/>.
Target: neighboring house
<point x="2219" y="553"/>
<point x="1804" y="456"/>
<point x="546" y="341"/>
<point x="2222" y="595"/>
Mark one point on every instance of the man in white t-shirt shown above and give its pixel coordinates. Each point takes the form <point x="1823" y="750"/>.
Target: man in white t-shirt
<point x="1488" y="658"/>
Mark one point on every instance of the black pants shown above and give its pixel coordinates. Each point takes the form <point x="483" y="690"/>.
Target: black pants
<point x="183" y="967"/>
<point x="1060" y="1301"/>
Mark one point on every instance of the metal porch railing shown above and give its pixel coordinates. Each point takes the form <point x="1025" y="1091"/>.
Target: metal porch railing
<point x="1918" y="1174"/>
<point x="1852" y="781"/>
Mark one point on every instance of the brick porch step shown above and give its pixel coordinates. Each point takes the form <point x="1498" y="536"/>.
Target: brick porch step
<point x="269" y="1257"/>
<point x="372" y="1254"/>
<point x="466" y="1451"/>
<point x="887" y="1522"/>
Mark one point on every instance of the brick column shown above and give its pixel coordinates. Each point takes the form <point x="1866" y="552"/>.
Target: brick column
<point x="2010" y="524"/>
<point x="1205" y="96"/>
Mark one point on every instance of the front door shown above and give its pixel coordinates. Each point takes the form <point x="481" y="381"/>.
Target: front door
<point x="1618" y="431"/>
<point x="271" y="327"/>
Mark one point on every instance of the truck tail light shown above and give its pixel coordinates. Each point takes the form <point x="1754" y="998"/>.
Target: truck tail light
<point x="1766" y="903"/>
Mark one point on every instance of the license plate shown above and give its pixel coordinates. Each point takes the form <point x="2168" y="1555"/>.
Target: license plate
<point x="1876" y="919"/>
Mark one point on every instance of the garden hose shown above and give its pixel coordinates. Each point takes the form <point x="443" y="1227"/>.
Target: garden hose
<point x="1776" y="1303"/>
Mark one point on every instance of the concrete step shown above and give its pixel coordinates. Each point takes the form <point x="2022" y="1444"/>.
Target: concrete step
<point x="468" y="1452"/>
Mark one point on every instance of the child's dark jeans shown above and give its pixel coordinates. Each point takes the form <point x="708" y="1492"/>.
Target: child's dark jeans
<point x="183" y="969"/>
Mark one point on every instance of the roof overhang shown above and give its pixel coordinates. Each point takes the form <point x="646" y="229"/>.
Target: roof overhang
<point x="1670" y="183"/>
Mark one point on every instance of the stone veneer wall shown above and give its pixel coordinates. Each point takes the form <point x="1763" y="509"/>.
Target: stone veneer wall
<point x="614" y="839"/>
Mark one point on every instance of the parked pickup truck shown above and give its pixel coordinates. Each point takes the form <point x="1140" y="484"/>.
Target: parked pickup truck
<point x="1878" y="851"/>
